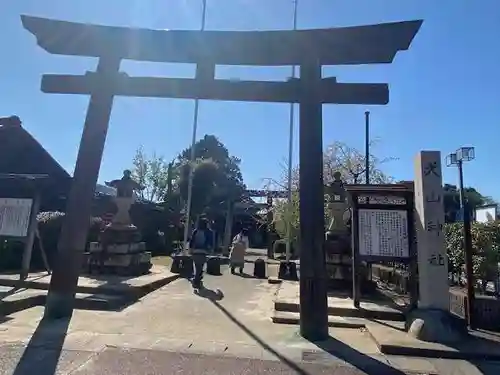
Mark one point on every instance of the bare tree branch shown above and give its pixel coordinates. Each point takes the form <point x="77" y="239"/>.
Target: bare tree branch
<point x="338" y="156"/>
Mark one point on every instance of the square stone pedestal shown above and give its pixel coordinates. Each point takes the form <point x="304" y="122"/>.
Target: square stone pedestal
<point x="119" y="258"/>
<point x="339" y="265"/>
<point x="338" y="261"/>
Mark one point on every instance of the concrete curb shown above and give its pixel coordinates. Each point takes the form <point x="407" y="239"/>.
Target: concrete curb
<point x="336" y="322"/>
<point x="345" y="312"/>
<point x="435" y="353"/>
<point x="416" y="348"/>
<point x="90" y="300"/>
<point x="135" y="291"/>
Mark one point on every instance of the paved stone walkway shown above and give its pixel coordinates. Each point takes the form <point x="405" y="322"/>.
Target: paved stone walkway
<point x="234" y="310"/>
<point x="173" y="328"/>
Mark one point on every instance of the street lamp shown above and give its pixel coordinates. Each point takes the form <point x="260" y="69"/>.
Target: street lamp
<point x="457" y="158"/>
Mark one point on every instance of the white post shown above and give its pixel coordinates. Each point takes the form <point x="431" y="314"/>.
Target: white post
<point x="290" y="150"/>
<point x="432" y="259"/>
<point x="193" y="142"/>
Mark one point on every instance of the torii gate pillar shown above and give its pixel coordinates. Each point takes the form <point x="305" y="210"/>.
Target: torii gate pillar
<point x="313" y="281"/>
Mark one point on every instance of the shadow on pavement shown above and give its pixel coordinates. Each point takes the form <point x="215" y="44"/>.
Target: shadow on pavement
<point x="244" y="275"/>
<point x="332" y="346"/>
<point x="43" y="351"/>
<point x="265" y="346"/>
<point x="212" y="295"/>
<point x="5" y="319"/>
<point x="388" y="325"/>
<point x="357" y="359"/>
<point x="10" y="292"/>
<point x="487" y="368"/>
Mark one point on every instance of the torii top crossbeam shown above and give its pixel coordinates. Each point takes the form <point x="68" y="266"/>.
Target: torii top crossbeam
<point x="349" y="45"/>
<point x="373" y="44"/>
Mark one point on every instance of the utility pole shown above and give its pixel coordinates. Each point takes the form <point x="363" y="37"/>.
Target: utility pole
<point x="290" y="149"/>
<point x="464" y="205"/>
<point x="367" y="147"/>
<point x="187" y="223"/>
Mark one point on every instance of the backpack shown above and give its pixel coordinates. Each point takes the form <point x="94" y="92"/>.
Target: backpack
<point x="199" y="239"/>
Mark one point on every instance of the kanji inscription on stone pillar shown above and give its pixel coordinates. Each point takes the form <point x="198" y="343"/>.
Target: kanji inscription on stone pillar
<point x="432" y="260"/>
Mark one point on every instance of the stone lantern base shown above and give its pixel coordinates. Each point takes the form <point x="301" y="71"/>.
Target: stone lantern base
<point x="338" y="253"/>
<point x="119" y="251"/>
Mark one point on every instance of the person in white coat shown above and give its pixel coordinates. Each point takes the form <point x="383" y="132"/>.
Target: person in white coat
<point x="238" y="250"/>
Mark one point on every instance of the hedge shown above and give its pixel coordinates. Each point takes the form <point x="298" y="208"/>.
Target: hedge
<point x="485" y="247"/>
<point x="486" y="254"/>
<point x="49" y="226"/>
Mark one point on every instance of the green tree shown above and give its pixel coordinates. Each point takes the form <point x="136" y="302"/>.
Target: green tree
<point x="485" y="247"/>
<point x="204" y="180"/>
<point x="228" y="182"/>
<point x="451" y="201"/>
<point x="152" y="173"/>
<point x="284" y="213"/>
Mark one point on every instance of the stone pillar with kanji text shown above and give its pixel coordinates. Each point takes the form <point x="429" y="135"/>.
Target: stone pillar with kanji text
<point x="431" y="321"/>
<point x="432" y="260"/>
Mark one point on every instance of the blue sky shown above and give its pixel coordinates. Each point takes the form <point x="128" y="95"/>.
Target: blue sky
<point x="444" y="91"/>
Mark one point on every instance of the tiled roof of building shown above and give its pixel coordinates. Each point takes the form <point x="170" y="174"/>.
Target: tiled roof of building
<point x="22" y="154"/>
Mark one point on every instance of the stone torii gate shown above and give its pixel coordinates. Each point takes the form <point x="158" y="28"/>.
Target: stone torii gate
<point x="308" y="49"/>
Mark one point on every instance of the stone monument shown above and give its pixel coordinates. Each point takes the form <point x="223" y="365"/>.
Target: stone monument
<point x="337" y="207"/>
<point x="338" y="237"/>
<point x="432" y="320"/>
<point x="120" y="249"/>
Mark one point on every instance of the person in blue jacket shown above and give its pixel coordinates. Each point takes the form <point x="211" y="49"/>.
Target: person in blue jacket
<point x="200" y="245"/>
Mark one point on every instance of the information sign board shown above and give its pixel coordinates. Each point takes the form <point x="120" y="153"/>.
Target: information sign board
<point x="383" y="233"/>
<point x="15" y="216"/>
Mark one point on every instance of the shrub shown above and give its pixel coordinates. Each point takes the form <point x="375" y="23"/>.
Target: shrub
<point x="147" y="219"/>
<point x="286" y="218"/>
<point x="485" y="246"/>
<point x="10" y="254"/>
<point x="153" y="224"/>
<point x="49" y="225"/>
